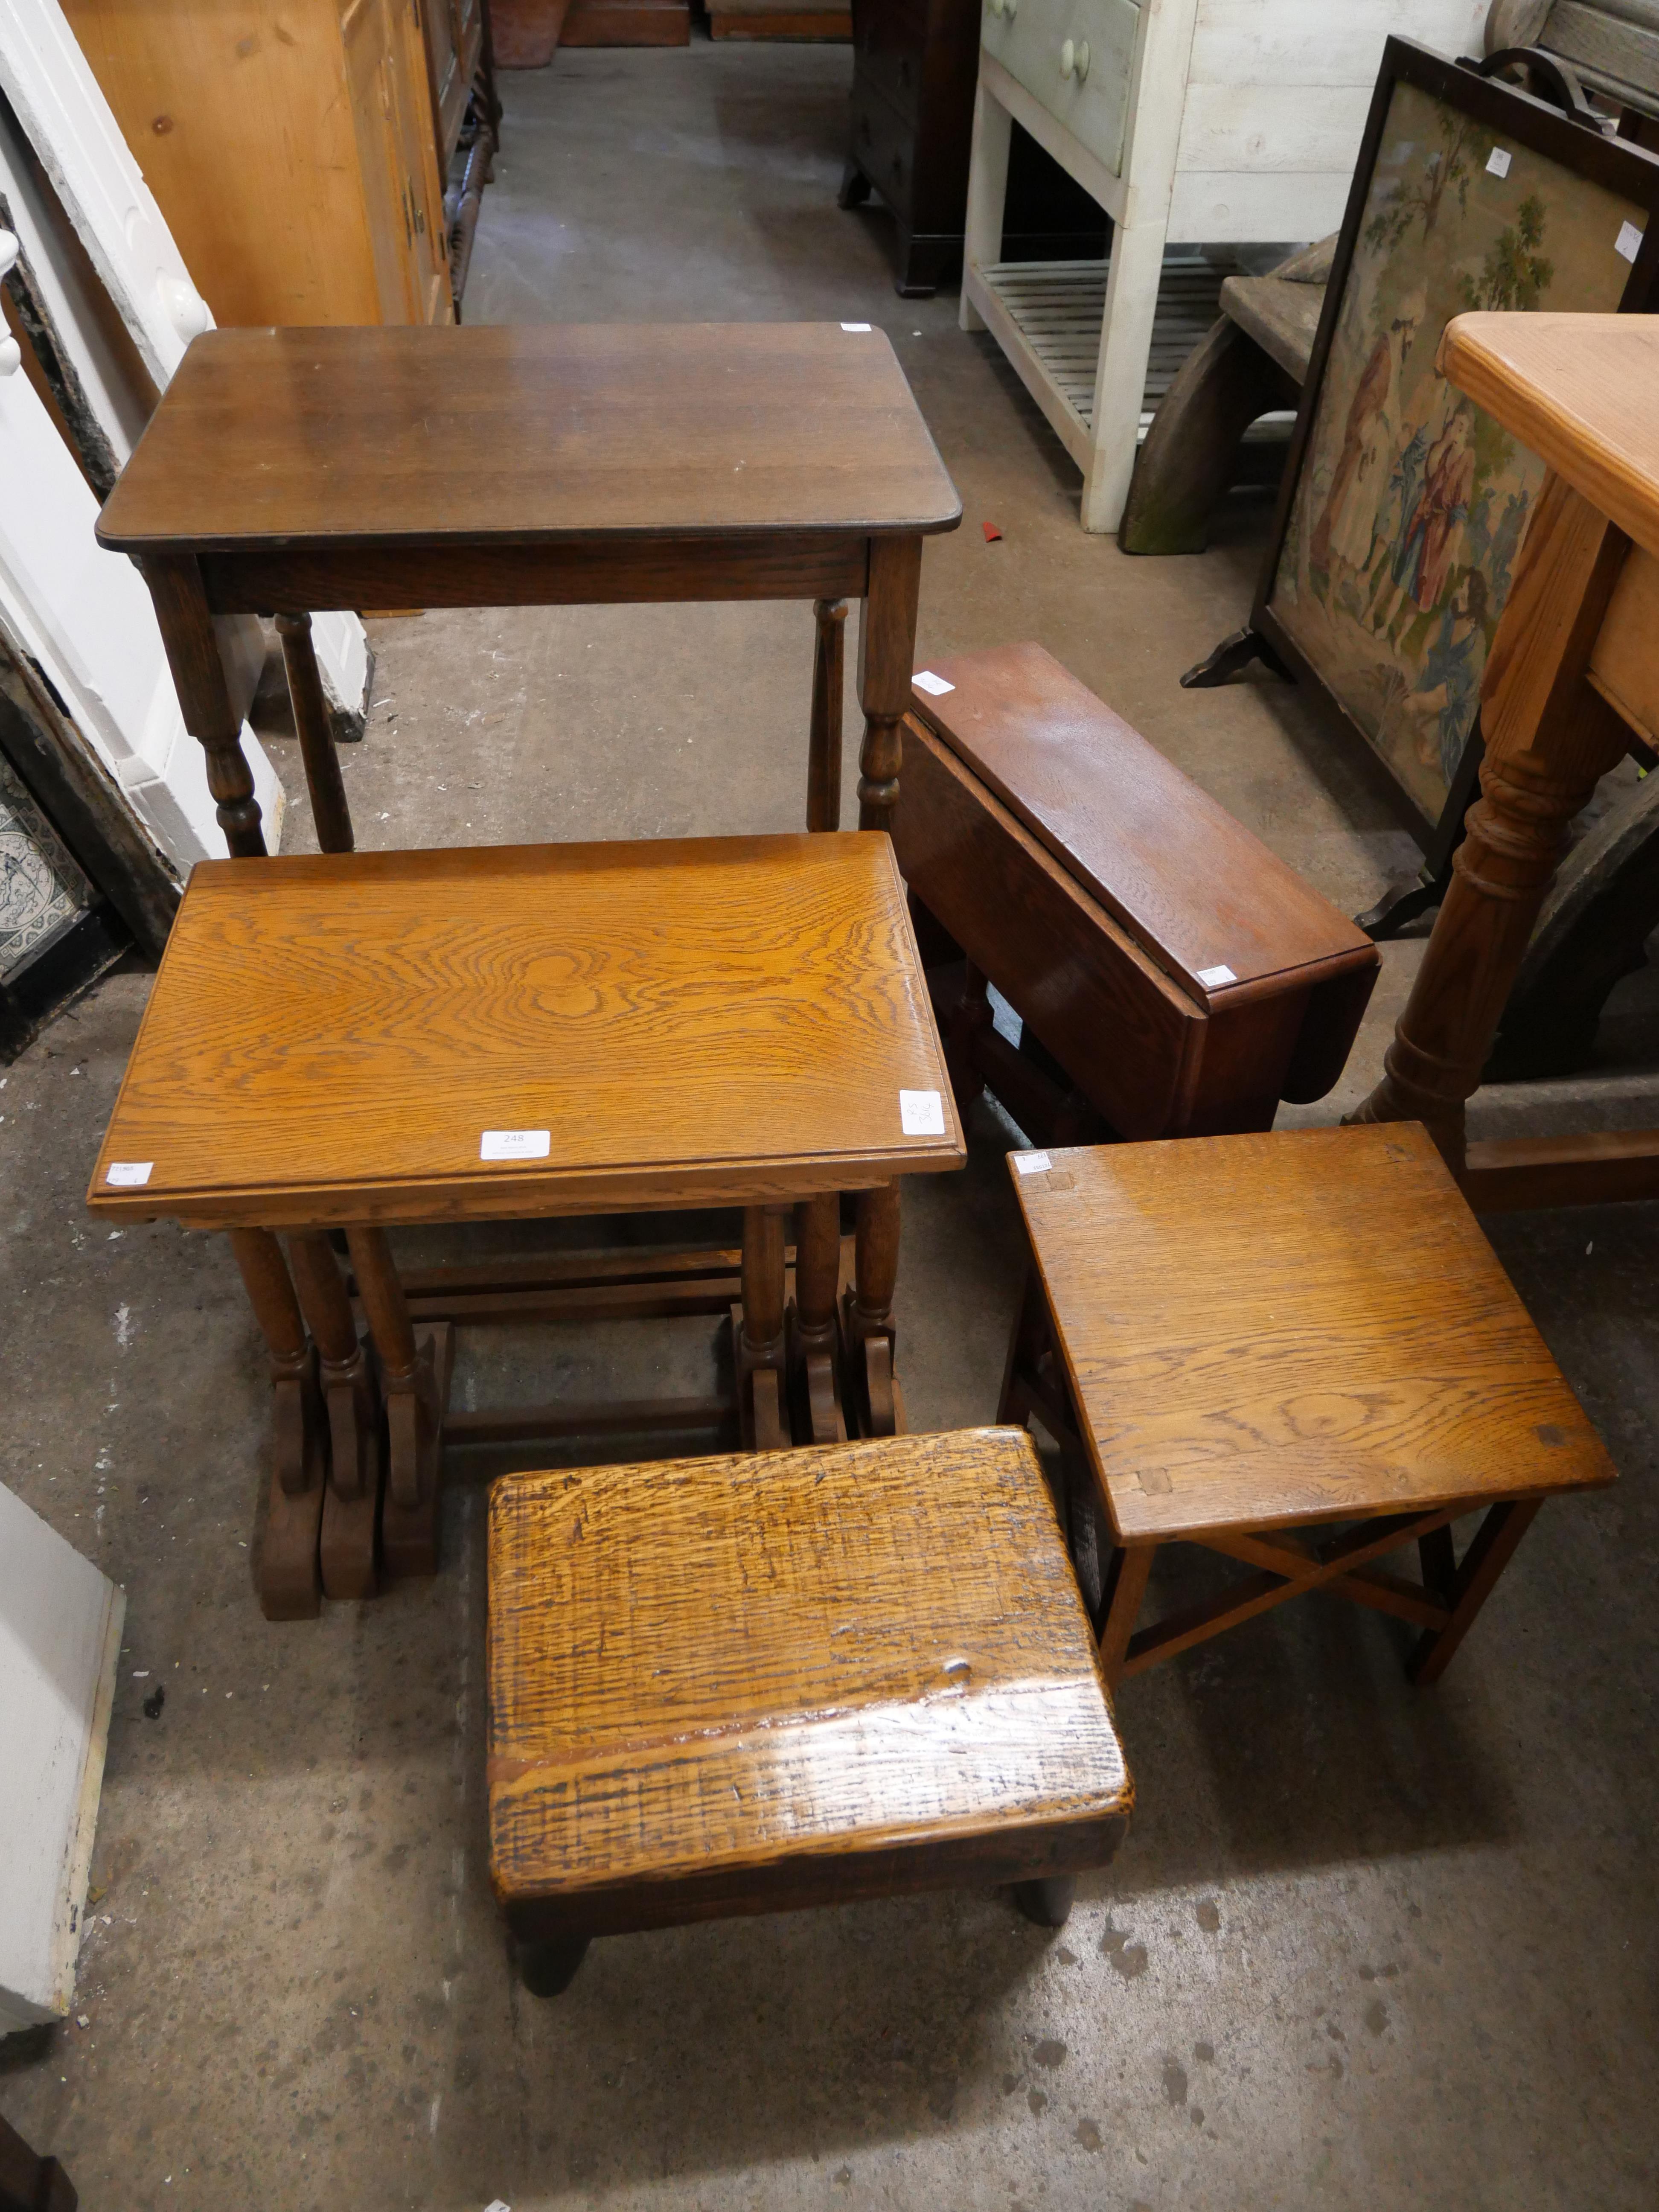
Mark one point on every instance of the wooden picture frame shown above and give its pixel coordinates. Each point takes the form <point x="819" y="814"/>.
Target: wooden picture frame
<point x="1415" y="490"/>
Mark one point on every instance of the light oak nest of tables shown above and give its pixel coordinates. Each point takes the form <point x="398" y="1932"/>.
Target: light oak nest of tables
<point x="367" y="1040"/>
<point x="1247" y="1340"/>
<point x="535" y="464"/>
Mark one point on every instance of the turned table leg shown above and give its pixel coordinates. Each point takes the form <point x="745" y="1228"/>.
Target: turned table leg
<point x="887" y="647"/>
<point x="829" y="682"/>
<point x="353" y="1503"/>
<point x="198" y="677"/>
<point x="329" y="810"/>
<point x="758" y="1335"/>
<point x="812" y="1321"/>
<point x="288" y="1583"/>
<point x="867" y="1314"/>
<point x="1549" y="740"/>
<point x="415" y="1383"/>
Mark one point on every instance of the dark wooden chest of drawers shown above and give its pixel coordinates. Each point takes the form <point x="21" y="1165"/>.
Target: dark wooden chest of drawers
<point x="913" y="109"/>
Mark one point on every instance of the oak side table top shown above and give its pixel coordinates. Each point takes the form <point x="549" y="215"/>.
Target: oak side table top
<point x="1265" y="1330"/>
<point x="710" y="1020"/>
<point x="530" y="432"/>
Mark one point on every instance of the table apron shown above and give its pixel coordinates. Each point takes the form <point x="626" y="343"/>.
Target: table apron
<point x="612" y="573"/>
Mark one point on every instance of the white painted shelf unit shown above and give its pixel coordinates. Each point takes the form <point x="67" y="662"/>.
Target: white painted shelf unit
<point x="1192" y="123"/>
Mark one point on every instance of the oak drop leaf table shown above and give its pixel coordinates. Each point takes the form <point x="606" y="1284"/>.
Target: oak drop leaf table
<point x="367" y="1040"/>
<point x="827" y="1674"/>
<point x="1248" y="1337"/>
<point x="532" y="464"/>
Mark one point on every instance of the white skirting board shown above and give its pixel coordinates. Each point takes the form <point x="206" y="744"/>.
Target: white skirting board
<point x="60" y="1642"/>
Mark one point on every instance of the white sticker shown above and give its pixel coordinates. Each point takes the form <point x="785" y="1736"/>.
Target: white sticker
<point x="1629" y="242"/>
<point x="1498" y="162"/>
<point x="935" y="686"/>
<point x="124" y="1173"/>
<point x="1032" y="1162"/>
<point x="855" y="326"/>
<point x="1213" y="978"/>
<point x="921" y="1112"/>
<point x="514" y="1144"/>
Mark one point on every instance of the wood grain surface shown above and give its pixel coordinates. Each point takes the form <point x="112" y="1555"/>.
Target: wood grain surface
<point x="707" y="1667"/>
<point x="329" y="1036"/>
<point x="1184" y="877"/>
<point x="550" y="430"/>
<point x="1263" y="1330"/>
<point x="1582" y="392"/>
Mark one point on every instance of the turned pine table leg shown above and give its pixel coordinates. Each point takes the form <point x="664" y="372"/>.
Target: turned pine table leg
<point x="887" y="647"/>
<point x="415" y="1382"/>
<point x="813" y="1320"/>
<point x="1549" y="740"/>
<point x="758" y="1336"/>
<point x="289" y="1588"/>
<point x="329" y="810"/>
<point x="867" y="1313"/>
<point x="829" y="682"/>
<point x="352" y="1504"/>
<point x="198" y="677"/>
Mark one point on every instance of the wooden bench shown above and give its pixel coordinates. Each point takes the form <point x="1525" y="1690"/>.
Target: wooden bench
<point x="1256" y="1335"/>
<point x="826" y="1675"/>
<point x="1173" y="976"/>
<point x="371" y="1039"/>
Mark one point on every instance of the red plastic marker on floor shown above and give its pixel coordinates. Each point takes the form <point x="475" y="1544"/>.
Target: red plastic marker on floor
<point x="992" y="533"/>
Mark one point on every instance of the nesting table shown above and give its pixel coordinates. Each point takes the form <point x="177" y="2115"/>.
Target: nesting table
<point x="376" y="1039"/>
<point x="537" y="465"/>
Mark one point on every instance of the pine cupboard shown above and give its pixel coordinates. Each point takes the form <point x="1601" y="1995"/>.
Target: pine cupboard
<point x="293" y="150"/>
<point x="1192" y="123"/>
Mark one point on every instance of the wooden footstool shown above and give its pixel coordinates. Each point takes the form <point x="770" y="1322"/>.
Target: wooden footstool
<point x="518" y="1032"/>
<point x="741" y="1684"/>
<point x="1174" y="976"/>
<point x="1247" y="1336"/>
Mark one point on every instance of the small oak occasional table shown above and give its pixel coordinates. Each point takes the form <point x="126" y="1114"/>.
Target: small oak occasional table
<point x="373" y="1039"/>
<point x="532" y="464"/>
<point x="827" y="1674"/>
<point x="1572" y="673"/>
<point x="1249" y="1337"/>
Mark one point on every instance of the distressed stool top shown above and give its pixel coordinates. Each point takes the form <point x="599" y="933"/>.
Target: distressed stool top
<point x="723" y="1664"/>
<point x="1265" y="1330"/>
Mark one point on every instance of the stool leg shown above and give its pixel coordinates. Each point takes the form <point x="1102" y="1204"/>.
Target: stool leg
<point x="887" y="645"/>
<point x="1047" y="1902"/>
<point x="867" y="1314"/>
<point x="289" y="1586"/>
<point x="414" y="1378"/>
<point x="828" y="681"/>
<point x="328" y="809"/>
<point x="548" y="1969"/>
<point x="758" y="1338"/>
<point x="352" y="1504"/>
<point x="1492" y="1548"/>
<point x="812" y="1321"/>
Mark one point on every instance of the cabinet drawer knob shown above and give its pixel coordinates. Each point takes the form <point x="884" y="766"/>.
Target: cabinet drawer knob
<point x="11" y="355"/>
<point x="1074" y="60"/>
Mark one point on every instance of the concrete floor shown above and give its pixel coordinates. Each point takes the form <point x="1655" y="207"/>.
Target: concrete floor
<point x="1363" y="1948"/>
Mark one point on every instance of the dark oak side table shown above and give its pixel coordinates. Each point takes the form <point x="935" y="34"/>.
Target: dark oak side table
<point x="540" y="464"/>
